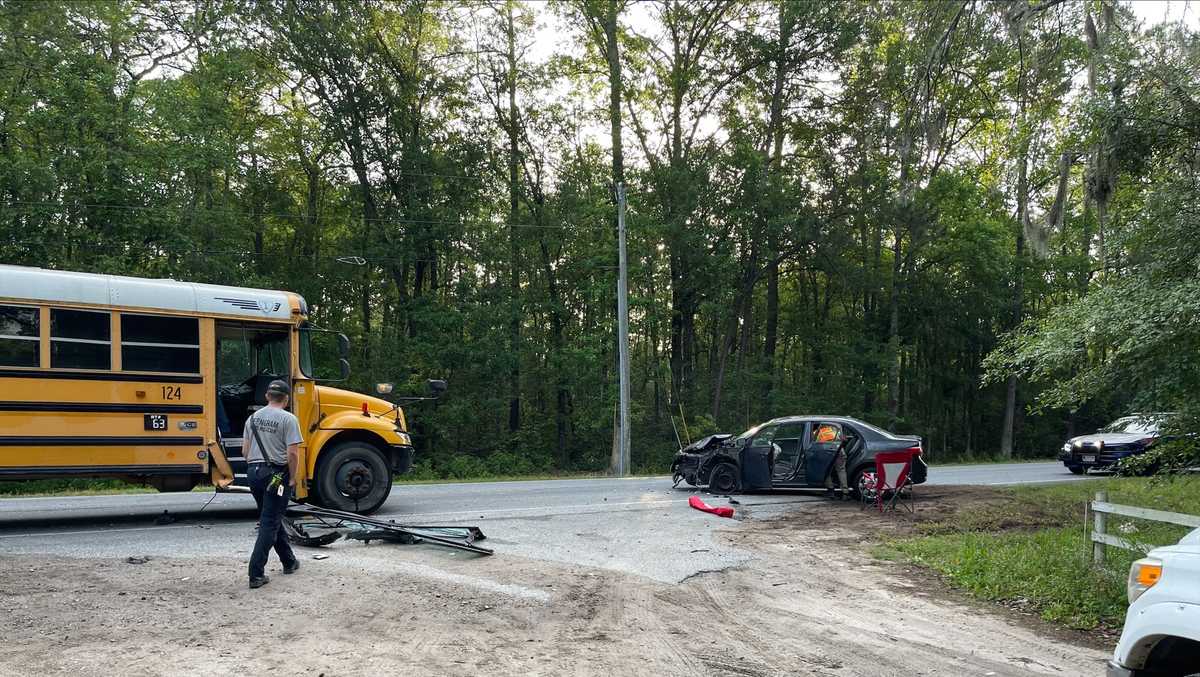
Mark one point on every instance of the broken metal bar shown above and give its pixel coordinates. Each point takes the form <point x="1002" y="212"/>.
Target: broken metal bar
<point x="462" y="538"/>
<point x="298" y="535"/>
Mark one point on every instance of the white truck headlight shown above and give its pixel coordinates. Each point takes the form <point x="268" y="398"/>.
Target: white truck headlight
<point x="1143" y="574"/>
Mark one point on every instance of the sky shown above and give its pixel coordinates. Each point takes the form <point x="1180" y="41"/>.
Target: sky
<point x="1155" y="11"/>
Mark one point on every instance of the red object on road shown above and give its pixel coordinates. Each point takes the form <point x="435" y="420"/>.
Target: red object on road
<point x="696" y="503"/>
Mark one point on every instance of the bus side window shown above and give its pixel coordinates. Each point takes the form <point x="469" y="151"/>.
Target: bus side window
<point x="20" y="336"/>
<point x="160" y="343"/>
<point x="80" y="339"/>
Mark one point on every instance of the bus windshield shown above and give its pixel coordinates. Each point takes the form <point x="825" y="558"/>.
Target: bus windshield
<point x="306" y="367"/>
<point x="321" y="353"/>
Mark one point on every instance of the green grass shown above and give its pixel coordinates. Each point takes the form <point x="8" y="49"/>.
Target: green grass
<point x="71" y="487"/>
<point x="1032" y="550"/>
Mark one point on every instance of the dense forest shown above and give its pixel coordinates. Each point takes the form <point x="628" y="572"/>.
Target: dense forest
<point x="975" y="221"/>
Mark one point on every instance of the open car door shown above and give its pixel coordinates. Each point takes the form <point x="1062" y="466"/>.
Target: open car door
<point x="788" y="465"/>
<point x="824" y="440"/>
<point x="756" y="459"/>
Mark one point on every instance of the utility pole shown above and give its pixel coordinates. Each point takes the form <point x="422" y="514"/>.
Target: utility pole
<point x="622" y="467"/>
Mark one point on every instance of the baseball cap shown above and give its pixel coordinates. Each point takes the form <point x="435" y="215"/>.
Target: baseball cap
<point x="280" y="387"/>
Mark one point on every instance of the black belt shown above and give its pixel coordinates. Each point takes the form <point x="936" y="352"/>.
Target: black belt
<point x="273" y="466"/>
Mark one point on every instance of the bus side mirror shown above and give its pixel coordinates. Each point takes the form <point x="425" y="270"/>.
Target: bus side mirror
<point x="437" y="387"/>
<point x="345" y="365"/>
<point x="343" y="347"/>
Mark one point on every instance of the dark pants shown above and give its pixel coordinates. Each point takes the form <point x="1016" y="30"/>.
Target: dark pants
<point x="270" y="518"/>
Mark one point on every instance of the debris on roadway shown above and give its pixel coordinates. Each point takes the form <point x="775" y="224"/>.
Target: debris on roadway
<point x="700" y="505"/>
<point x="313" y="526"/>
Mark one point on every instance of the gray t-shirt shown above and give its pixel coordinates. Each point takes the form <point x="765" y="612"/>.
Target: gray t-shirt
<point x="277" y="428"/>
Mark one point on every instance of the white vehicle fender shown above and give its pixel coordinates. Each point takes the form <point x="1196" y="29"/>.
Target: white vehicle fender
<point x="1143" y="631"/>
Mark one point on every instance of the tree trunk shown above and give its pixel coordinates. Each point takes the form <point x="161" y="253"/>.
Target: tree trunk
<point x="1010" y="396"/>
<point x="613" y="55"/>
<point x="741" y="308"/>
<point x="775" y="137"/>
<point x="772" y="319"/>
<point x="558" y="339"/>
<point x="893" y="342"/>
<point x="514" y="278"/>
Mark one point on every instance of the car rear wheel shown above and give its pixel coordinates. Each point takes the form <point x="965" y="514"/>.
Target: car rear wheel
<point x="723" y="479"/>
<point x="863" y="486"/>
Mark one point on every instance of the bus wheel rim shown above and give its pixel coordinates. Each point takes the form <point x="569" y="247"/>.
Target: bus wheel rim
<point x="355" y="479"/>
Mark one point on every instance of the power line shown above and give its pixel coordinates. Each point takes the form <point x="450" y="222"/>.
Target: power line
<point x="49" y="206"/>
<point x="354" y="259"/>
<point x="167" y="152"/>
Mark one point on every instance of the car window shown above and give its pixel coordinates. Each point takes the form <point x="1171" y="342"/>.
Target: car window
<point x="764" y="436"/>
<point x="790" y="431"/>
<point x="826" y="435"/>
<point x="874" y="429"/>
<point x="1133" y="425"/>
<point x="751" y="432"/>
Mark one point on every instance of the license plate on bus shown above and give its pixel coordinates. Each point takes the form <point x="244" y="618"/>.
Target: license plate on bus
<point x="1089" y="458"/>
<point x="156" y="421"/>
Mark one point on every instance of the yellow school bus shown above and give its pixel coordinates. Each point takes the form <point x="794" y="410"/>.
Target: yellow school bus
<point x="152" y="381"/>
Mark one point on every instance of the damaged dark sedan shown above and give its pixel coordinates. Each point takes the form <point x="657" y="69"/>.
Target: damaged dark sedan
<point x="789" y="452"/>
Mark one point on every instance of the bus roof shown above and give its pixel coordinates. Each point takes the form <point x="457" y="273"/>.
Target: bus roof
<point x="20" y="283"/>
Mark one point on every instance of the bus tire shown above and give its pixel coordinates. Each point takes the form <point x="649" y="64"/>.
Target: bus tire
<point x="354" y="477"/>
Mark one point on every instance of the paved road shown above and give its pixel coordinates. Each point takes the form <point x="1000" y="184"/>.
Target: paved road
<point x="638" y="525"/>
<point x="469" y="501"/>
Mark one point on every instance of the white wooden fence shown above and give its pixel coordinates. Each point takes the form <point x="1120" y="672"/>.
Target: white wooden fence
<point x="1101" y="509"/>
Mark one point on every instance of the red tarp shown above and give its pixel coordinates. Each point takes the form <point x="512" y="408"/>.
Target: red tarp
<point x="696" y="503"/>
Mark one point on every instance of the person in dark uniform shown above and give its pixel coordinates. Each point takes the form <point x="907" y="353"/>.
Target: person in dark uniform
<point x="273" y="450"/>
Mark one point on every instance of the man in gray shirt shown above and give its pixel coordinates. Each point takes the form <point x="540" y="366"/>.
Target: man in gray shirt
<point x="272" y="440"/>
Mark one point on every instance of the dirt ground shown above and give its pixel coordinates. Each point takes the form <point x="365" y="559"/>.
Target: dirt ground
<point x="812" y="602"/>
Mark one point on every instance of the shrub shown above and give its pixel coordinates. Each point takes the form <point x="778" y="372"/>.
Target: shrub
<point x="508" y="463"/>
<point x="465" y="467"/>
<point x="421" y="471"/>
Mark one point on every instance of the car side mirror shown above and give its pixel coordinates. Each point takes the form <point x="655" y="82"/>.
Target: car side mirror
<point x="437" y="387"/>
<point x="384" y="388"/>
<point x="345" y="365"/>
<point x="343" y="346"/>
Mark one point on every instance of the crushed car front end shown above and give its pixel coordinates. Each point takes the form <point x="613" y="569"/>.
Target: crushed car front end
<point x="693" y="462"/>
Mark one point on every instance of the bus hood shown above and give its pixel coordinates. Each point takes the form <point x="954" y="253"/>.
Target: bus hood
<point x="335" y="401"/>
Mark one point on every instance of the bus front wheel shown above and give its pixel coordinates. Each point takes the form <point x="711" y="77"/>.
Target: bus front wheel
<point x="354" y="477"/>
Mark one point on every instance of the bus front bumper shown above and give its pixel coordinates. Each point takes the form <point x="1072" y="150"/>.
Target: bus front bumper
<point x="401" y="456"/>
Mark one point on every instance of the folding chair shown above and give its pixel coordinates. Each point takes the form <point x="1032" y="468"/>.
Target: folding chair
<point x="891" y="474"/>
